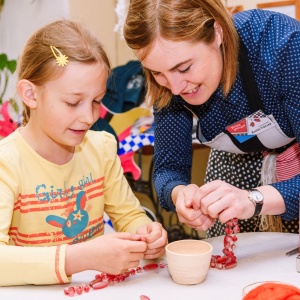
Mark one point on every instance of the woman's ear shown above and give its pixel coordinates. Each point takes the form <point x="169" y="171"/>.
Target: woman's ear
<point x="218" y="34"/>
<point x="26" y="91"/>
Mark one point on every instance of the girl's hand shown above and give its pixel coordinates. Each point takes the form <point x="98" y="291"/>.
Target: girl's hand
<point x="156" y="238"/>
<point x="111" y="253"/>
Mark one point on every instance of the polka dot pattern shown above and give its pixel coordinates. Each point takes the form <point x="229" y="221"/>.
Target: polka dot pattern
<point x="243" y="171"/>
<point x="273" y="44"/>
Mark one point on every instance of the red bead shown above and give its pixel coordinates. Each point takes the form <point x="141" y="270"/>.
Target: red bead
<point x="122" y="277"/>
<point x="236" y="229"/>
<point x="228" y="230"/>
<point x="144" y="297"/>
<point x="66" y="291"/>
<point x="110" y="282"/>
<point x="222" y="259"/>
<point x="235" y="221"/>
<point x="71" y="289"/>
<point x="233" y="259"/>
<point x="99" y="285"/>
<point x="126" y="274"/>
<point x="230" y="265"/>
<point x="132" y="272"/>
<point x="79" y="290"/>
<point x="234" y="238"/>
<point x="86" y="288"/>
<point x="139" y="269"/>
<point x="99" y="279"/>
<point x="150" y="267"/>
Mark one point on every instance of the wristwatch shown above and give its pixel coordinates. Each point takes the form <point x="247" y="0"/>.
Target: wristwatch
<point x="257" y="198"/>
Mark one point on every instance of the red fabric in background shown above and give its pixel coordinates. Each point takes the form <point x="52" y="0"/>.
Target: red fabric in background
<point x="288" y="163"/>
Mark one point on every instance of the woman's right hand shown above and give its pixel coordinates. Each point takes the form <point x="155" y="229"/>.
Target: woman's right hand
<point x="189" y="213"/>
<point x="110" y="253"/>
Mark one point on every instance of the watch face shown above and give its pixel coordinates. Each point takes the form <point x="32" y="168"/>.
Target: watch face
<point x="256" y="195"/>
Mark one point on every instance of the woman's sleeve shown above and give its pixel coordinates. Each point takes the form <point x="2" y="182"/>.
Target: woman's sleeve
<point x="288" y="62"/>
<point x="172" y="150"/>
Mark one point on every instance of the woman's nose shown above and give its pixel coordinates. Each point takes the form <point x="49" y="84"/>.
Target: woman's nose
<point x="176" y="84"/>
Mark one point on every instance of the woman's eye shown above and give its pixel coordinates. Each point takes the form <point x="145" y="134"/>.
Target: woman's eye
<point x="185" y="70"/>
<point x="155" y="73"/>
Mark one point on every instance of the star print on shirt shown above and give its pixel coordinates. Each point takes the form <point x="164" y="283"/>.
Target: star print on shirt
<point x="77" y="216"/>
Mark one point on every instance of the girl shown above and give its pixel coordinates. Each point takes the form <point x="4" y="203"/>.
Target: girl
<point x="57" y="178"/>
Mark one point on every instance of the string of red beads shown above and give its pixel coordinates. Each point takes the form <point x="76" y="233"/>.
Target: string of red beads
<point x="228" y="260"/>
<point x="104" y="280"/>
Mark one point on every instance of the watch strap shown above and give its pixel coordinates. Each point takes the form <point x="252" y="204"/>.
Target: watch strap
<point x="257" y="205"/>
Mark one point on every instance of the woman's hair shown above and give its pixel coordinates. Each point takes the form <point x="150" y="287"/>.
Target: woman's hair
<point x="180" y="20"/>
<point x="37" y="62"/>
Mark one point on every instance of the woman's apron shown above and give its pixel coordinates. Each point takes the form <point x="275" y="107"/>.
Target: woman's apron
<point x="237" y="153"/>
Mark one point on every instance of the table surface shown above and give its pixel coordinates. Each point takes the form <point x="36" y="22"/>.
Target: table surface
<point x="261" y="257"/>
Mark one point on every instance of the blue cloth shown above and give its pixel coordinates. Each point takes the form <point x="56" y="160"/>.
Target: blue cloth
<point x="273" y="44"/>
<point x="125" y="87"/>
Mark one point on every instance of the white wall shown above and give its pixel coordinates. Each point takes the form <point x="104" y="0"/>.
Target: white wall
<point x="19" y="19"/>
<point x="248" y="4"/>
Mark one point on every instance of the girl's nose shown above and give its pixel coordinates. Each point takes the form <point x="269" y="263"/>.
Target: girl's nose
<point x="87" y="115"/>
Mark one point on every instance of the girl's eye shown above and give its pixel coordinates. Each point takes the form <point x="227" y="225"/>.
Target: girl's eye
<point x="185" y="70"/>
<point x="72" y="104"/>
<point x="97" y="101"/>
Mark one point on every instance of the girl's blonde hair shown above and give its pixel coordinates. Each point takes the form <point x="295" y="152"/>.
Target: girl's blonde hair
<point x="37" y="62"/>
<point x="180" y="20"/>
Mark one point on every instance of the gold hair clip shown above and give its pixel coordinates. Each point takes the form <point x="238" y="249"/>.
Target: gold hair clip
<point x="61" y="60"/>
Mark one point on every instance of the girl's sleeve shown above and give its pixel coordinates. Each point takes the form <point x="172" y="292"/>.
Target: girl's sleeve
<point x="24" y="265"/>
<point x="121" y="205"/>
<point x="32" y="265"/>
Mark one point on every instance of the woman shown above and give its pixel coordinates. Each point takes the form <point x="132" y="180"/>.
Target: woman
<point x="238" y="76"/>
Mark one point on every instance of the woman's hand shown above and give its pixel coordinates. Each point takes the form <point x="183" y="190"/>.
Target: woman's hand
<point x="156" y="239"/>
<point x="224" y="201"/>
<point x="188" y="208"/>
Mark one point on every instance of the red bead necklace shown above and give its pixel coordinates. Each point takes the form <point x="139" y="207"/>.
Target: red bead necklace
<point x="228" y="260"/>
<point x="104" y="280"/>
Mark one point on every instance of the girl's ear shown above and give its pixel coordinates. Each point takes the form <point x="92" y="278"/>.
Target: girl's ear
<point x="26" y="91"/>
<point x="218" y="34"/>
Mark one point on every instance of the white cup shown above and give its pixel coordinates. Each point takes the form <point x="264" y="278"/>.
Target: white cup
<point x="188" y="260"/>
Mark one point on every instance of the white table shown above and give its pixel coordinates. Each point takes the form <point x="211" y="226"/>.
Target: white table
<point x="261" y="257"/>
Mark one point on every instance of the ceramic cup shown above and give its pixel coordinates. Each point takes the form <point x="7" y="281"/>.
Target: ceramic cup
<point x="188" y="260"/>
